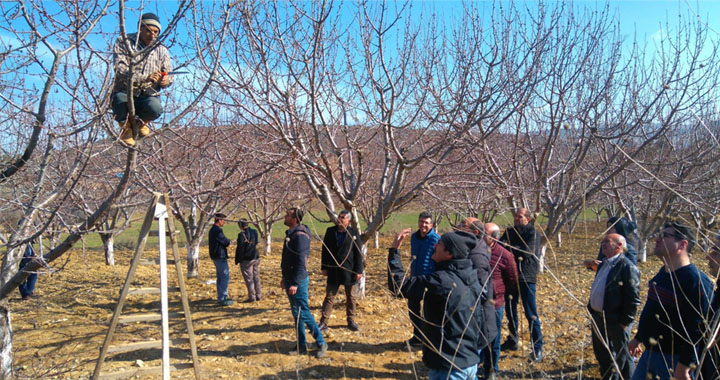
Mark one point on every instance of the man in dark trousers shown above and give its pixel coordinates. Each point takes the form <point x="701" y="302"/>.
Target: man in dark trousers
<point x="523" y="241"/>
<point x="672" y="322"/>
<point x="27" y="287"/>
<point x="614" y="300"/>
<point x="246" y="254"/>
<point x="711" y="361"/>
<point x="295" y="281"/>
<point x="218" y="254"/>
<point x="504" y="278"/>
<point x="480" y="257"/>
<point x="451" y="322"/>
<point x="342" y="264"/>
<point x="148" y="78"/>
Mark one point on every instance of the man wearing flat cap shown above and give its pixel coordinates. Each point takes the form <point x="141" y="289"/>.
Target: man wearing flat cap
<point x="218" y="254"/>
<point x="142" y="64"/>
<point x="451" y="322"/>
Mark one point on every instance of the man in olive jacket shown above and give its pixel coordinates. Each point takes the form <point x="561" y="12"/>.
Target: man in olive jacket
<point x="342" y="264"/>
<point x="614" y="301"/>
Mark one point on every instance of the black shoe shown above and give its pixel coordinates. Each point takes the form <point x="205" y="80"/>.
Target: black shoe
<point x="248" y="300"/>
<point x="352" y="326"/>
<point x="413" y="342"/>
<point x="323" y="327"/>
<point x="226" y="302"/>
<point x="301" y="351"/>
<point x="509" y="345"/>
<point x="537" y="357"/>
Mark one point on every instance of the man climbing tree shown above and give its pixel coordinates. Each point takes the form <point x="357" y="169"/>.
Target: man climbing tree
<point x="140" y="62"/>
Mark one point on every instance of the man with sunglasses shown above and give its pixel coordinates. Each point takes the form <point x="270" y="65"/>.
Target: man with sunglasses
<point x="672" y="322"/>
<point x="142" y="64"/>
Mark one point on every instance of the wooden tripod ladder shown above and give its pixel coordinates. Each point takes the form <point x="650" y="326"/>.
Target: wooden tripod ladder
<point x="158" y="210"/>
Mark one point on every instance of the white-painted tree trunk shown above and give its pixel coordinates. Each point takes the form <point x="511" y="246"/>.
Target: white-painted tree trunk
<point x="376" y="240"/>
<point x="642" y="250"/>
<point x="109" y="248"/>
<point x="359" y="289"/>
<point x="558" y="239"/>
<point x="541" y="259"/>
<point x="193" y="259"/>
<point x="268" y="243"/>
<point x="6" y="352"/>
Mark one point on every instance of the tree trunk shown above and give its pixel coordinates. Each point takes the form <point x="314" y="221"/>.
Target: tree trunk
<point x="558" y="239"/>
<point x="193" y="259"/>
<point x="268" y="243"/>
<point x="108" y="241"/>
<point x="642" y="250"/>
<point x="377" y="240"/>
<point x="6" y="353"/>
<point x="541" y="259"/>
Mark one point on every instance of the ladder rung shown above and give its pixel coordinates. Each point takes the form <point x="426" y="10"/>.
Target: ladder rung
<point x="144" y="317"/>
<point x="154" y="262"/>
<point x="143" y="371"/>
<point x="128" y="347"/>
<point x="152" y="290"/>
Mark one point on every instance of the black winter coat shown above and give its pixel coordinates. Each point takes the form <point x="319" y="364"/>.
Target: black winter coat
<point x="342" y="262"/>
<point x="451" y="322"/>
<point x="524" y="243"/>
<point x="481" y="262"/>
<point x="622" y="292"/>
<point x="218" y="243"/>
<point x="246" y="249"/>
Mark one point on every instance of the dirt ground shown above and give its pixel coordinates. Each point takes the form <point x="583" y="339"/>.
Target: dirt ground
<point x="58" y="335"/>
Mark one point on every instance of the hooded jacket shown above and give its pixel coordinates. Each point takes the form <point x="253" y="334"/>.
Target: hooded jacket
<point x="296" y="250"/>
<point x="451" y="316"/>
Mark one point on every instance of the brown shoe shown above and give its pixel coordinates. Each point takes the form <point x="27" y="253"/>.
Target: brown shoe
<point x="144" y="129"/>
<point x="127" y="135"/>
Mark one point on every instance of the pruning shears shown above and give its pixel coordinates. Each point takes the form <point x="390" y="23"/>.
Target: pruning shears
<point x="164" y="73"/>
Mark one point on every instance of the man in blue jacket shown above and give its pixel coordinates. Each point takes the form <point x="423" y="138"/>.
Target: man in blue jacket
<point x="452" y="320"/>
<point x="295" y="281"/>
<point x="672" y="322"/>
<point x="218" y="254"/>
<point x="422" y="246"/>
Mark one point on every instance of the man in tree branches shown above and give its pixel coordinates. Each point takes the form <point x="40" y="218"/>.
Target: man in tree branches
<point x="150" y="64"/>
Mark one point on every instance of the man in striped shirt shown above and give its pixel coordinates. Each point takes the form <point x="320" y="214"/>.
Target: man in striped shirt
<point x="142" y="64"/>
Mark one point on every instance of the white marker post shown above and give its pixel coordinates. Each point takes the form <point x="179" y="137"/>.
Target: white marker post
<point x="161" y="215"/>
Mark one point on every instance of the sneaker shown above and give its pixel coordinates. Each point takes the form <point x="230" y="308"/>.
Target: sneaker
<point x="226" y="302"/>
<point x="323" y="326"/>
<point x="352" y="326"/>
<point x="322" y="350"/>
<point x="509" y="345"/>
<point x="537" y="357"/>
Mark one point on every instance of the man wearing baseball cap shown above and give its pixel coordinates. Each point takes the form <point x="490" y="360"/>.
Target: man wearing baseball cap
<point x="144" y="72"/>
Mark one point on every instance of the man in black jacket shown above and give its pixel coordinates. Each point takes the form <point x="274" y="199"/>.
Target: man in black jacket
<point x="451" y="318"/>
<point x="523" y="241"/>
<point x="295" y="281"/>
<point x="246" y="254"/>
<point x="342" y="264"/>
<point x="218" y="254"/>
<point x="614" y="300"/>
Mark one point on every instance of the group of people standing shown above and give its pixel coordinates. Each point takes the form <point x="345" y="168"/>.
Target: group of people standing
<point x="464" y="281"/>
<point x="461" y="284"/>
<point x="678" y="324"/>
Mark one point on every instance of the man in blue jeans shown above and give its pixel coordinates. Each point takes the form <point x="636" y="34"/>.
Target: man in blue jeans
<point x="523" y="241"/>
<point x="218" y="254"/>
<point x="293" y="264"/>
<point x="27" y="287"/>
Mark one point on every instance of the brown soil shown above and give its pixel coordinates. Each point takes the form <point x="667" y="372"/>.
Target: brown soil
<point x="59" y="334"/>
